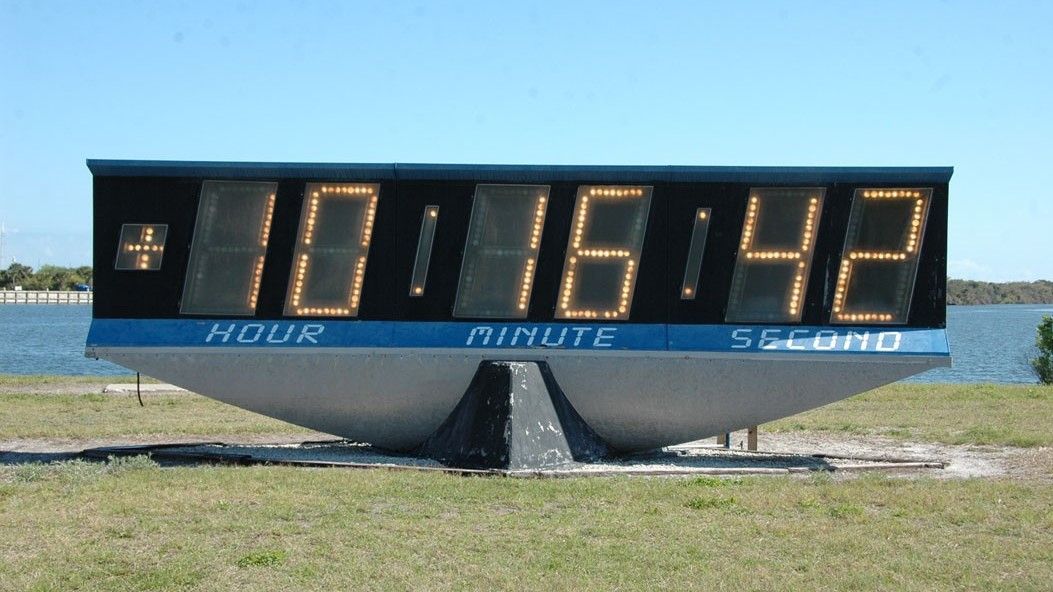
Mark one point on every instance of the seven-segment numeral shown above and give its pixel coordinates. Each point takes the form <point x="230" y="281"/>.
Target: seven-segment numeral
<point x="603" y="252"/>
<point x="693" y="267"/>
<point x="879" y="263"/>
<point x="500" y="255"/>
<point x="775" y="255"/>
<point x="229" y="248"/>
<point x="424" y="243"/>
<point x="332" y="248"/>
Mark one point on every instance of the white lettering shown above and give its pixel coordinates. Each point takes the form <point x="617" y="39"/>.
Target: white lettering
<point x="604" y="333"/>
<point x="215" y="331"/>
<point x="243" y="335"/>
<point x="817" y="343"/>
<point x="744" y="338"/>
<point x="309" y="332"/>
<point x="501" y="336"/>
<point x="544" y="338"/>
<point x="580" y="331"/>
<point x="863" y="338"/>
<point x="274" y="329"/>
<point x="486" y="332"/>
<point x="767" y="342"/>
<point x="531" y="333"/>
<point x="789" y="339"/>
<point x="896" y="338"/>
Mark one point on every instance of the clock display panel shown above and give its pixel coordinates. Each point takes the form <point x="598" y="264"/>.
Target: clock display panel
<point x="542" y="245"/>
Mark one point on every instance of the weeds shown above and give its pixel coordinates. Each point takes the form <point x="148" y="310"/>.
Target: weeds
<point x="262" y="558"/>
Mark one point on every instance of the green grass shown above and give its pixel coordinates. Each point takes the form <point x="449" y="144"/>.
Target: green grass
<point x="133" y="526"/>
<point x="951" y="414"/>
<point x="948" y="413"/>
<point x="24" y="416"/>
<point x="130" y="525"/>
<point x="34" y="380"/>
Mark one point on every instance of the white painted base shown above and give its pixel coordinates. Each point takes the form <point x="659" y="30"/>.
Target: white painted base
<point x="633" y="400"/>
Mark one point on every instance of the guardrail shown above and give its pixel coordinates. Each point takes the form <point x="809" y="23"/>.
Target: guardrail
<point x="45" y="297"/>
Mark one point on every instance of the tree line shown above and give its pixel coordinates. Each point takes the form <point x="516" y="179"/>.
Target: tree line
<point x="48" y="277"/>
<point x="54" y="277"/>
<point x="973" y="292"/>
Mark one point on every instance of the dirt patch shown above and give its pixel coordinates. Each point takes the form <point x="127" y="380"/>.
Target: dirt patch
<point x="962" y="461"/>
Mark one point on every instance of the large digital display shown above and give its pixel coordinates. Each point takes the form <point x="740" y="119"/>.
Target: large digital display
<point x="500" y="257"/>
<point x="603" y="252"/>
<point x="332" y="249"/>
<point x="229" y="248"/>
<point x="562" y="252"/>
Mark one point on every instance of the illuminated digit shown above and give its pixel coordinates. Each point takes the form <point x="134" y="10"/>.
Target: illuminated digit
<point x="775" y="255"/>
<point x="500" y="254"/>
<point x="229" y="248"/>
<point x="603" y="252"/>
<point x="875" y="279"/>
<point x="332" y="248"/>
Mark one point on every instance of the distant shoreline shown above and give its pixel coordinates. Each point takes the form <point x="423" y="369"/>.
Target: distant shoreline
<point x="974" y="292"/>
<point x="64" y="297"/>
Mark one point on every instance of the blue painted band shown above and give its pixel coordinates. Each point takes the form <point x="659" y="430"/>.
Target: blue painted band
<point x="559" y="336"/>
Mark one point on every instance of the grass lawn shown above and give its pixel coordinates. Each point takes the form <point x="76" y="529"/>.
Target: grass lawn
<point x="947" y="413"/>
<point x="130" y="525"/>
<point x="65" y="417"/>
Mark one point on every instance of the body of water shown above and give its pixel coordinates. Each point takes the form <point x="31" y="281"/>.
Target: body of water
<point x="988" y="343"/>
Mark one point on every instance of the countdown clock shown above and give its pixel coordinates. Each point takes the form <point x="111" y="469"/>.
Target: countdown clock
<point x="670" y="302"/>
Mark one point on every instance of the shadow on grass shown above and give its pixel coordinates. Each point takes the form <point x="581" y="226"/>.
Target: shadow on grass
<point x="21" y="458"/>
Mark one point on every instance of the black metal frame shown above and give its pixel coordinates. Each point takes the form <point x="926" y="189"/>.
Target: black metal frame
<point x="168" y="193"/>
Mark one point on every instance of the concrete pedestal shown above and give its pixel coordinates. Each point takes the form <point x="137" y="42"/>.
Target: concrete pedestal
<point x="515" y="417"/>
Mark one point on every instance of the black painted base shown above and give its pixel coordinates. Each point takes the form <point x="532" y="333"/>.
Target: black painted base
<point x="513" y="416"/>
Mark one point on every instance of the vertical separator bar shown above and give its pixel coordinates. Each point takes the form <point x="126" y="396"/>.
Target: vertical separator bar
<point x="693" y="268"/>
<point x="424" y="244"/>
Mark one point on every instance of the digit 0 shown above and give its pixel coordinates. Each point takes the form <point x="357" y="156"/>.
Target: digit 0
<point x="603" y="252"/>
<point x="879" y="263"/>
<point x="332" y="247"/>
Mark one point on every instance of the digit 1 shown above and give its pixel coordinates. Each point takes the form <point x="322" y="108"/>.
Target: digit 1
<point x="879" y="263"/>
<point x="775" y="255"/>
<point x="603" y="252"/>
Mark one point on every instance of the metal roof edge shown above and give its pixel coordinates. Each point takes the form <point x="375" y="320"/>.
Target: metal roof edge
<point x="509" y="172"/>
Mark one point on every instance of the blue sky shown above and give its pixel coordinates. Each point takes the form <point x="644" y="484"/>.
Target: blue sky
<point x="694" y="83"/>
